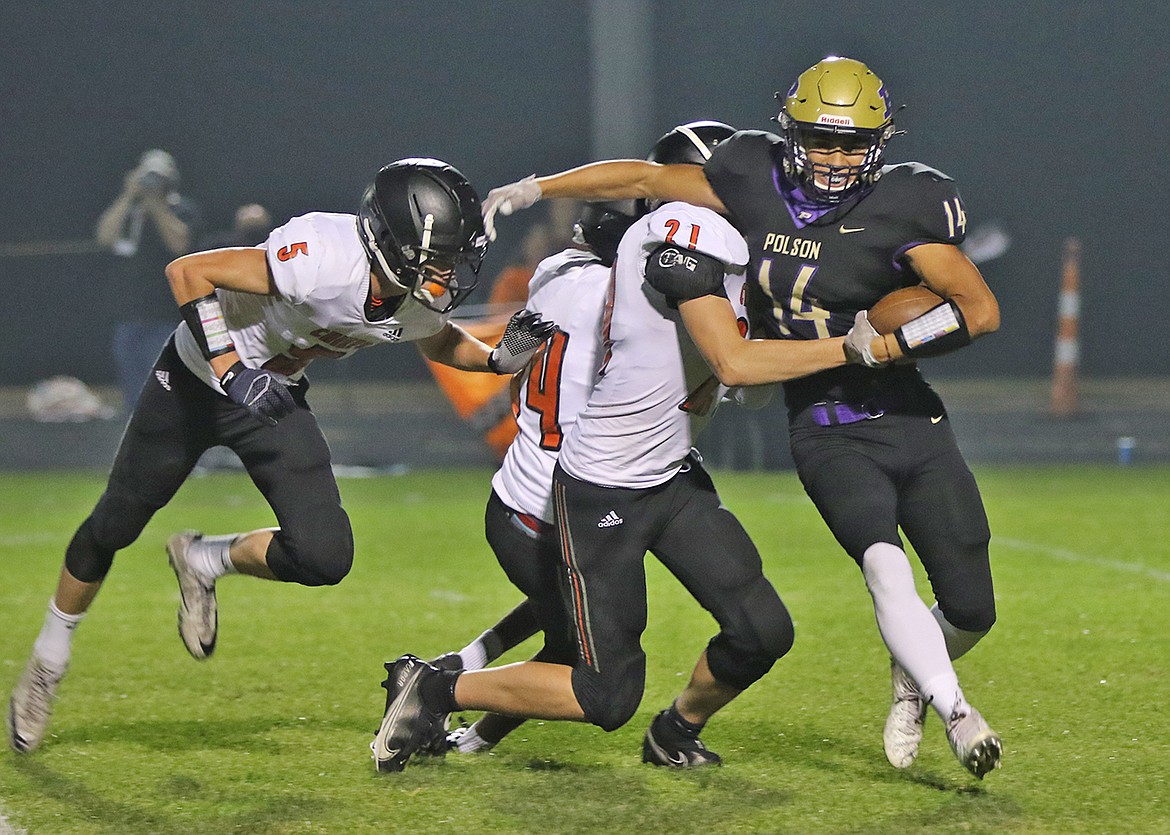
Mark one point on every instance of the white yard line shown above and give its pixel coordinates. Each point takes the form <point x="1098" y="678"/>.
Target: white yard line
<point x="1085" y="559"/>
<point x="20" y="540"/>
<point x="8" y="829"/>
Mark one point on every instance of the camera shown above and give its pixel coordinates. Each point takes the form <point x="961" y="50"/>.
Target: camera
<point x="154" y="181"/>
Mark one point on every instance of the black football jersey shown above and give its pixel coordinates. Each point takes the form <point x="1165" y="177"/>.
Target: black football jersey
<point x="811" y="269"/>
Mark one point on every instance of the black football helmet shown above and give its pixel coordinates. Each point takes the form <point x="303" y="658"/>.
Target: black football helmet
<point x="421" y="226"/>
<point x="689" y="143"/>
<point x="602" y="225"/>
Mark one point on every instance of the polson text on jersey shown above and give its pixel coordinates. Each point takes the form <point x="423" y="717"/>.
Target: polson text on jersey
<point x="796" y="247"/>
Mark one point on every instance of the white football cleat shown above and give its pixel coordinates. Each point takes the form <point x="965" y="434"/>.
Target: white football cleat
<point x="32" y="705"/>
<point x="975" y="744"/>
<point x="198" y="611"/>
<point x="903" y="731"/>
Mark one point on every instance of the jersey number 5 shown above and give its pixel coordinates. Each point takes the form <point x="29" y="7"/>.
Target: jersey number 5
<point x="543" y="393"/>
<point x="287" y="253"/>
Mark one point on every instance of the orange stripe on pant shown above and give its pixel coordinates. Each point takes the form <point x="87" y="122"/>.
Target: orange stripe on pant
<point x="580" y="618"/>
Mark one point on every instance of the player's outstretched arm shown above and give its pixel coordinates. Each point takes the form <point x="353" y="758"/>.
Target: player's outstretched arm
<point x="736" y="361"/>
<point x="455" y="347"/>
<point x="607" y="180"/>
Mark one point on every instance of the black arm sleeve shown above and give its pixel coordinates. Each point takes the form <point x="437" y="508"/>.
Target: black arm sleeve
<point x="940" y="330"/>
<point x="682" y="274"/>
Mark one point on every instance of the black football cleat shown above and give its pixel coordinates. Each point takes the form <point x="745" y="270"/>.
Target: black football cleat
<point x="407" y="725"/>
<point x="450" y="661"/>
<point x="668" y="745"/>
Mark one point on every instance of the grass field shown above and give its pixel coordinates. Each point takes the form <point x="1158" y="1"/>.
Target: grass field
<point x="271" y="735"/>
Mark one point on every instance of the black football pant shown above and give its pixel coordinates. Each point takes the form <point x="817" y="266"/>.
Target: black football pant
<point x="177" y="418"/>
<point x="605" y="533"/>
<point x="869" y="478"/>
<point x="532" y="562"/>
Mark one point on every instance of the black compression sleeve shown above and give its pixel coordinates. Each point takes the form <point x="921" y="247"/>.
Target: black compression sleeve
<point x="204" y="317"/>
<point x="937" y="331"/>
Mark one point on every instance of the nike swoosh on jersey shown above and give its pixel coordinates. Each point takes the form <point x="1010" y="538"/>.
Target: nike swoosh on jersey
<point x="846" y="230"/>
<point x="937" y="419"/>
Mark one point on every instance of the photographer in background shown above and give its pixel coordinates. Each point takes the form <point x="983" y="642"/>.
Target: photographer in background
<point x="147" y="226"/>
<point x="250" y="227"/>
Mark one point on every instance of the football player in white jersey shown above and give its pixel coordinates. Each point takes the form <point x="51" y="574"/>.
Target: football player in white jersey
<point x="568" y="288"/>
<point x="322" y="285"/>
<point x="627" y="482"/>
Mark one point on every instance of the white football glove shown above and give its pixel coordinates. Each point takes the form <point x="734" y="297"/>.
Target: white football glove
<point x="523" y="336"/>
<point x="859" y="342"/>
<point x="508" y="199"/>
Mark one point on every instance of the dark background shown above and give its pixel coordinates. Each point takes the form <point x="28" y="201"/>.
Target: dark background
<point x="1051" y="116"/>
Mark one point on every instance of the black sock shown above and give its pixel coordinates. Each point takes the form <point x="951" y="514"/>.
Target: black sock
<point x="493" y="645"/>
<point x="438" y="691"/>
<point x="680" y="724"/>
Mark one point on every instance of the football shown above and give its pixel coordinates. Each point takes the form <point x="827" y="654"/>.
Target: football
<point x="899" y="307"/>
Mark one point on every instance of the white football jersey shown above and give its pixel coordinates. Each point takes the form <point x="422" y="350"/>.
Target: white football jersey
<point x="640" y="421"/>
<point x="322" y="278"/>
<point x="568" y="288"/>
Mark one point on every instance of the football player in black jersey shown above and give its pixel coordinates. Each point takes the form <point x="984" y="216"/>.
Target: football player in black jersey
<point x="831" y="229"/>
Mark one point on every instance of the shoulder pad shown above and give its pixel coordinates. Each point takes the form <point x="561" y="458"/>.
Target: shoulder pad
<point x="698" y="230"/>
<point x="742" y="154"/>
<point x="559" y="264"/>
<point x="681" y="274"/>
<point x="928" y="199"/>
<point x="295" y="252"/>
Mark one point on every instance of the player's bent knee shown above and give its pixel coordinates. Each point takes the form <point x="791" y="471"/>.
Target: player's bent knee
<point x="969" y="618"/>
<point x="610" y="700"/>
<point x="313" y="556"/>
<point x="741" y="655"/>
<point x="740" y="667"/>
<point x="116" y="521"/>
<point x="85" y="559"/>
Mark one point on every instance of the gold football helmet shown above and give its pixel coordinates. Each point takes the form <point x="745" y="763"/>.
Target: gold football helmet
<point x="836" y="103"/>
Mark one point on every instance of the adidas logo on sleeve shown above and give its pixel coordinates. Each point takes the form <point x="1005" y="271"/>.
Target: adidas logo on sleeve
<point x="610" y="520"/>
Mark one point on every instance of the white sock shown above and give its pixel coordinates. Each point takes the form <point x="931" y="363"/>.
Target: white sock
<point x="474" y="655"/>
<point x="959" y="641"/>
<point x="211" y="557"/>
<point x="54" y="644"/>
<point x="470" y="741"/>
<point x="912" y="635"/>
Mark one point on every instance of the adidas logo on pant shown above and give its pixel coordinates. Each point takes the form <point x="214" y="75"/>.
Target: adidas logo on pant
<point x="610" y="519"/>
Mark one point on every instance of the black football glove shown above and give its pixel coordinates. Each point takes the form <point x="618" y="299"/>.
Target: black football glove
<point x="525" y="333"/>
<point x="263" y="393"/>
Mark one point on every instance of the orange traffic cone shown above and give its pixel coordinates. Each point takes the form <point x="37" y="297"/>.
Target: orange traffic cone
<point x="1064" y="367"/>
